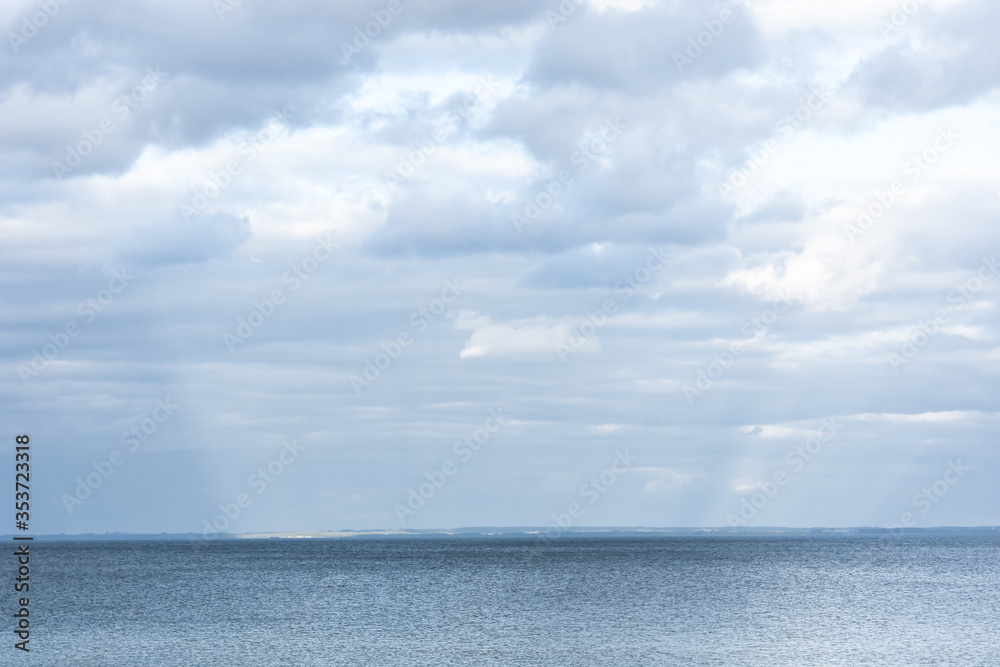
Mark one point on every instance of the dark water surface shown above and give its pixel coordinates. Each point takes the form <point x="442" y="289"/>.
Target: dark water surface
<point x="581" y="601"/>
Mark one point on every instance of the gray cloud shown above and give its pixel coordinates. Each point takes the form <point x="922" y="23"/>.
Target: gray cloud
<point x="954" y="60"/>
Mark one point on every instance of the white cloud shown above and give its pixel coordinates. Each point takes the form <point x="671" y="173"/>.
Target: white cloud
<point x="622" y="5"/>
<point x="946" y="416"/>
<point x="771" y="431"/>
<point x="530" y="337"/>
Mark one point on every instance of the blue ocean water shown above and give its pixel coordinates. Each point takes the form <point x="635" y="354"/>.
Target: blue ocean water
<point x="922" y="600"/>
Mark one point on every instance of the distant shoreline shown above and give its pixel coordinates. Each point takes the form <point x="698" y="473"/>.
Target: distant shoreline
<point x="529" y="533"/>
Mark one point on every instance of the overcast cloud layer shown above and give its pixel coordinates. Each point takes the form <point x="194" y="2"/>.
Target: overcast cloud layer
<point x="744" y="253"/>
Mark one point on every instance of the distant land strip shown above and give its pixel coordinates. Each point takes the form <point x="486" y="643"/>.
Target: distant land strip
<point x="531" y="532"/>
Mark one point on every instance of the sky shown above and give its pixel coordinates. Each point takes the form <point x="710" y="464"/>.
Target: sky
<point x="431" y="264"/>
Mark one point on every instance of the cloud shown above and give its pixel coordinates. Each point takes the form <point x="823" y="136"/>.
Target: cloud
<point x="526" y="337"/>
<point x="665" y="481"/>
<point x="419" y="154"/>
<point x="822" y="276"/>
<point x="942" y="57"/>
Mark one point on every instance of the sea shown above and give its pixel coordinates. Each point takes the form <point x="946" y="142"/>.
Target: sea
<point x="507" y="601"/>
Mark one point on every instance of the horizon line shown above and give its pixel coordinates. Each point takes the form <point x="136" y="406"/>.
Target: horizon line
<point x="550" y="531"/>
